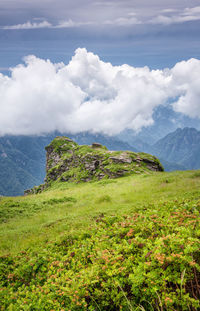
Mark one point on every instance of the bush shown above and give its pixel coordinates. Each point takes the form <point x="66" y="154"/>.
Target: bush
<point x="138" y="261"/>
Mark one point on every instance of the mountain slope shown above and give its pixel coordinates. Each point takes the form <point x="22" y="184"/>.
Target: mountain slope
<point x="181" y="146"/>
<point x="125" y="244"/>
<point x="22" y="162"/>
<point x="166" y="120"/>
<point x="13" y="178"/>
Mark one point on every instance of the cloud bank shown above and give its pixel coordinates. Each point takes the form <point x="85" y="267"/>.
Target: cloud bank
<point x="90" y="95"/>
<point x="177" y="17"/>
<point x="119" y="18"/>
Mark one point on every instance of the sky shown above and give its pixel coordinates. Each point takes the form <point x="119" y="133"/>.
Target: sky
<point x="88" y="64"/>
<point x="156" y="33"/>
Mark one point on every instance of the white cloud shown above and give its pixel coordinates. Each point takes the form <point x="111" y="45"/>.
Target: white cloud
<point x="71" y="24"/>
<point x="123" y="21"/>
<point x="45" y="24"/>
<point x="187" y="77"/>
<point x="29" y="25"/>
<point x="169" y="10"/>
<point x="192" y="11"/>
<point x="91" y="95"/>
<point x="122" y="18"/>
<point x="185" y="15"/>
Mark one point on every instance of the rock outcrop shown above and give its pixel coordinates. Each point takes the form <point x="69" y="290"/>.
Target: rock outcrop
<point x="67" y="161"/>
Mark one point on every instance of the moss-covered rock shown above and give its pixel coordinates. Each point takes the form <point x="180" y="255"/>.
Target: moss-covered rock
<point x="66" y="161"/>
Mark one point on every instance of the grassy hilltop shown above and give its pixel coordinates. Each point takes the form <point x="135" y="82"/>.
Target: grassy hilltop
<point x="130" y="243"/>
<point x="66" y="161"/>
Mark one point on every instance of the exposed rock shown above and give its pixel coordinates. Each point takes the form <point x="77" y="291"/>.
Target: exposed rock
<point x="96" y="145"/>
<point x="35" y="190"/>
<point x="69" y="162"/>
<point x="122" y="158"/>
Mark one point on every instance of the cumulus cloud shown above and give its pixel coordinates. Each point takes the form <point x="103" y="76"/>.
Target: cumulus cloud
<point x="90" y="95"/>
<point x="186" y="75"/>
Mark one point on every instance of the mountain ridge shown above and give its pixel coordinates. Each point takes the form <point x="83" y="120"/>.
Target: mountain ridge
<point x="181" y="146"/>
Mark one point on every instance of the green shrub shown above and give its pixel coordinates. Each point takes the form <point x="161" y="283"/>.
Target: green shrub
<point x="104" y="198"/>
<point x="196" y="174"/>
<point x="59" y="200"/>
<point x="149" y="260"/>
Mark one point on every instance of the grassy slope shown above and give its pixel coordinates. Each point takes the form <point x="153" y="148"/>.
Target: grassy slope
<point x="42" y="224"/>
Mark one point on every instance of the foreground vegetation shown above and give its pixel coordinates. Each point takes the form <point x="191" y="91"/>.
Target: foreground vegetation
<point x="125" y="244"/>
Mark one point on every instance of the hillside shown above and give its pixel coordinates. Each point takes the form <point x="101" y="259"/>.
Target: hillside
<point x="181" y="147"/>
<point x="22" y="162"/>
<point x="178" y="150"/>
<point x="130" y="243"/>
<point x="13" y="179"/>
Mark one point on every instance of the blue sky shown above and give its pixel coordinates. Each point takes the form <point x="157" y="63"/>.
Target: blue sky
<point x="91" y="89"/>
<point x="155" y="33"/>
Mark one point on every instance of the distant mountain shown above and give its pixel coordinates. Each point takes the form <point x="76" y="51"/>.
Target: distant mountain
<point x="14" y="179"/>
<point x="181" y="146"/>
<point x="22" y="158"/>
<point x="170" y="167"/>
<point x="21" y="163"/>
<point x="166" y="120"/>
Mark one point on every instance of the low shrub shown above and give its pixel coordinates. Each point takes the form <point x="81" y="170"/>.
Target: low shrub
<point x="147" y="260"/>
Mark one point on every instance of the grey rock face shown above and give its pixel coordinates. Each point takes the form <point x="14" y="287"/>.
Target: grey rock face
<point x="122" y="158"/>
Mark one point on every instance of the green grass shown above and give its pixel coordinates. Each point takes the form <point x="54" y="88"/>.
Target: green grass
<point x="126" y="194"/>
<point x="122" y="244"/>
<point x="62" y="144"/>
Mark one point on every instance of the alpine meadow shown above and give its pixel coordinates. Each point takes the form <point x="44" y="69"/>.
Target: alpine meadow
<point x="128" y="243"/>
<point x="99" y="155"/>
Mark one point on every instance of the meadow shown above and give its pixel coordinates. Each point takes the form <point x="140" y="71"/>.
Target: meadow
<point x="130" y="243"/>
